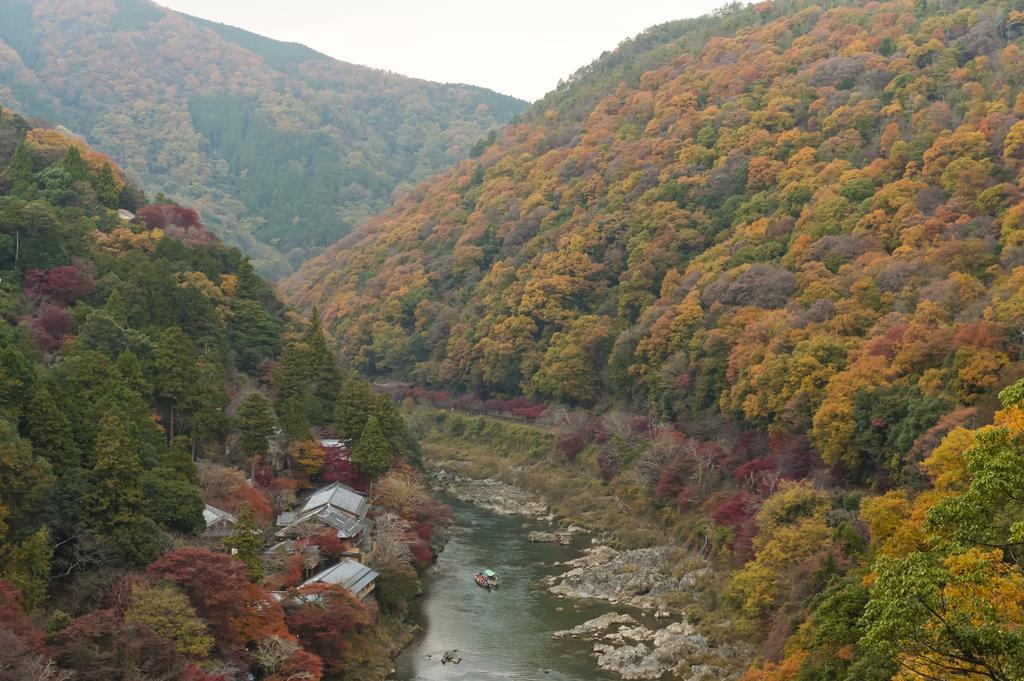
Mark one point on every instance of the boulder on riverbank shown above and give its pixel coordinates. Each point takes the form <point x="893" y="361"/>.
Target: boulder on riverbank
<point x="563" y="537"/>
<point x="598" y="625"/>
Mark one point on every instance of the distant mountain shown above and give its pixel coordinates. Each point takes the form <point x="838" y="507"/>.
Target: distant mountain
<point x="281" y="149"/>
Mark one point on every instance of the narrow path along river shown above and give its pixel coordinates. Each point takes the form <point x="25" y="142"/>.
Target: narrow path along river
<point x="504" y="634"/>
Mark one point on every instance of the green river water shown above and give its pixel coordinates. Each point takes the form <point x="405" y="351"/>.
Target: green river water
<point x="504" y="634"/>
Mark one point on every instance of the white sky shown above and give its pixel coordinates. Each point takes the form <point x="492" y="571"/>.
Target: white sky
<point x="521" y="48"/>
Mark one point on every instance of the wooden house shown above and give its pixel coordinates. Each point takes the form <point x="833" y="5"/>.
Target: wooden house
<point x="334" y="508"/>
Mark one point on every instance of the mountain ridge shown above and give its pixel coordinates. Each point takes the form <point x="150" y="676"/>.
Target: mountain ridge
<point x="282" y="149"/>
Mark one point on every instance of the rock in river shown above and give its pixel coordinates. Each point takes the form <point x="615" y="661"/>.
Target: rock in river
<point x="558" y="537"/>
<point x="597" y="625"/>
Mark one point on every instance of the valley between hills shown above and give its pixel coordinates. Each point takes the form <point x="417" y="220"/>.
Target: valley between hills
<point x="713" y="353"/>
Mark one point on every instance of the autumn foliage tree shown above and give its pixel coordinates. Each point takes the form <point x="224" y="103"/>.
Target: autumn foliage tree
<point x="330" y="622"/>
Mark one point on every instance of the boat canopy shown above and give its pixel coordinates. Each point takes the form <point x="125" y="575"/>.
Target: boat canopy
<point x="490" y="573"/>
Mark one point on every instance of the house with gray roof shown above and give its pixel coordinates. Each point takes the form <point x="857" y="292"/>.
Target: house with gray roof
<point x="336" y="507"/>
<point x="358" y="579"/>
<point x="338" y="496"/>
<point x="218" y="523"/>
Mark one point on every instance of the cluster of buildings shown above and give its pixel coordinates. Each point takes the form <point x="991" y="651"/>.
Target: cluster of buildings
<point x="334" y="508"/>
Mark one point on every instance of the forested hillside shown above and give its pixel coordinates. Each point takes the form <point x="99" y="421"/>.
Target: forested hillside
<point x="792" y="235"/>
<point x="281" y="149"/>
<point x="146" y="369"/>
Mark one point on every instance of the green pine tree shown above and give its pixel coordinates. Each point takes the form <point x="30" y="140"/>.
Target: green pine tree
<point x="115" y="496"/>
<point x="354" y="406"/>
<point x="17" y="377"/>
<point x="117" y="307"/>
<point x="256" y="423"/>
<point x="50" y="430"/>
<point x="247" y="542"/>
<point x="19" y="169"/>
<point x="130" y="371"/>
<point x="320" y="357"/>
<point x="74" y="164"/>
<point x="322" y="369"/>
<point x="390" y="419"/>
<point x="372" y="454"/>
<point x="210" y="401"/>
<point x="106" y="188"/>
<point x="176" y="372"/>
<point x="179" y="460"/>
<point x="293" y="380"/>
<point x="27" y="566"/>
<point x="26" y="484"/>
<point x="293" y="415"/>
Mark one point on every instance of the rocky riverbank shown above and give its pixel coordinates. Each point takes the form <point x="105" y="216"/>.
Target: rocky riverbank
<point x="492" y="495"/>
<point x="624" y="646"/>
<point x="641" y="578"/>
<point x="653" y="580"/>
<point x="648" y="579"/>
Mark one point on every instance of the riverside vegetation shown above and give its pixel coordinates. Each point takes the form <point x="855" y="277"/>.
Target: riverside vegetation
<point x="776" y="254"/>
<point x="146" y="369"/>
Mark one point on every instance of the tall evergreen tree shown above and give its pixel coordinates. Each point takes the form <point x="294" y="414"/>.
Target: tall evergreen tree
<point x="179" y="460"/>
<point x="130" y="371"/>
<point x="256" y="423"/>
<point x="19" y="169"/>
<point x="177" y="376"/>
<point x="115" y="496"/>
<point x="172" y="501"/>
<point x="355" y="405"/>
<point x="106" y="188"/>
<point x="209" y="401"/>
<point x="25" y="481"/>
<point x="292" y="381"/>
<point x="319" y="358"/>
<point x="372" y="454"/>
<point x="49" y="430"/>
<point x="323" y="369"/>
<point x="390" y="420"/>
<point x="16" y="379"/>
<point x="27" y="566"/>
<point x="74" y="164"/>
<point x="117" y="307"/>
<point x="247" y="543"/>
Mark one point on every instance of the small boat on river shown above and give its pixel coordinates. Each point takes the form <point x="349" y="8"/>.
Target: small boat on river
<point x="487" y="579"/>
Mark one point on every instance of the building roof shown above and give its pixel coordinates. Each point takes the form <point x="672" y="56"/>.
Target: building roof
<point x="339" y="496"/>
<point x="334" y="443"/>
<point x="348" y="573"/>
<point x="347" y="526"/>
<point x="290" y="547"/>
<point x="125" y="214"/>
<point x="213" y="515"/>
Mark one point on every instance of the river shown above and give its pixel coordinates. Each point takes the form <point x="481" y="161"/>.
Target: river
<point x="503" y="634"/>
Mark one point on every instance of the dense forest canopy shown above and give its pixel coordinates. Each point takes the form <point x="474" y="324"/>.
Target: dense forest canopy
<point x="796" y="211"/>
<point x="147" y="370"/>
<point x="281" y="149"/>
<point x="791" y="234"/>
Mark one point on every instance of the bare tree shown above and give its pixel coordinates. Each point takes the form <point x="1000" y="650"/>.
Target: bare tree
<point x="391" y="539"/>
<point x="271" y="654"/>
